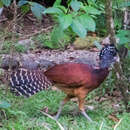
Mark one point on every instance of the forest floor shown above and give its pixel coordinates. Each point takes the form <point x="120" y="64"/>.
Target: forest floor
<point x="104" y="105"/>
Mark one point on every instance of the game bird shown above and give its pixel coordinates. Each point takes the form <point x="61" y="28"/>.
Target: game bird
<point x="74" y="79"/>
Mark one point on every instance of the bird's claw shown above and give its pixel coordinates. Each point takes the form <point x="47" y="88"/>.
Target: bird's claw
<point x="56" y="117"/>
<point x="86" y="116"/>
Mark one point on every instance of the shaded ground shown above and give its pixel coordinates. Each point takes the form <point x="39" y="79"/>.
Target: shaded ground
<point x="26" y="24"/>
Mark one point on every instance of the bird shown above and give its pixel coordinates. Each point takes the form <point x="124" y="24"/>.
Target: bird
<point x="74" y="79"/>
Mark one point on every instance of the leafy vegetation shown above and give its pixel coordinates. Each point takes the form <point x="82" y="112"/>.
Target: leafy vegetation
<point x="124" y="36"/>
<point x="77" y="18"/>
<point x="49" y="39"/>
<point x="21" y="116"/>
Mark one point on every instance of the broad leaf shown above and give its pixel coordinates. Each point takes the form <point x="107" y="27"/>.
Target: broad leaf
<point x="124" y="36"/>
<point x="4" y="104"/>
<point x="65" y="21"/>
<point x="124" y="4"/>
<point x="75" y="5"/>
<point x="57" y="34"/>
<point x="37" y="9"/>
<point x="62" y="8"/>
<point x="6" y="2"/>
<point x="25" y="8"/>
<point x="87" y="22"/>
<point x="78" y="28"/>
<point x="22" y="2"/>
<point x="57" y="2"/>
<point x="91" y="10"/>
<point x="53" y="10"/>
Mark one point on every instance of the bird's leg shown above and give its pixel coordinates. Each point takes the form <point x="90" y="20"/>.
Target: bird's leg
<point x="81" y="108"/>
<point x="61" y="106"/>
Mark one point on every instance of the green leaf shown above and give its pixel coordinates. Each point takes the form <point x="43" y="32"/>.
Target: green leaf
<point x="57" y="2"/>
<point x="87" y="22"/>
<point x="6" y="2"/>
<point x="17" y="112"/>
<point x="91" y="10"/>
<point x="1" y="4"/>
<point x="37" y="9"/>
<point x="22" y="2"/>
<point x="53" y="10"/>
<point x="49" y="44"/>
<point x="124" y="4"/>
<point x="4" y="104"/>
<point x="75" y="5"/>
<point x="129" y="53"/>
<point x="127" y="45"/>
<point x="20" y="48"/>
<point x="78" y="28"/>
<point x="62" y="8"/>
<point x="65" y="21"/>
<point x="25" y="9"/>
<point x="124" y="36"/>
<point x="57" y="34"/>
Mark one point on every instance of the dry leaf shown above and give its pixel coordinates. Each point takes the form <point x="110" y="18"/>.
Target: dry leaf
<point x="113" y="118"/>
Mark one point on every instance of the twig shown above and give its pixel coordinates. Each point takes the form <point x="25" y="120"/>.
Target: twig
<point x="101" y="126"/>
<point x="4" y="114"/>
<point x="3" y="20"/>
<point x="38" y="32"/>
<point x="117" y="124"/>
<point x="60" y="126"/>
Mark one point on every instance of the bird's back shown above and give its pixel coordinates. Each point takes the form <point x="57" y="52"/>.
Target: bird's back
<point x="70" y="74"/>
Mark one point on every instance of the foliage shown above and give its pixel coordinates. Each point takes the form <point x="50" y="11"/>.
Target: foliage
<point x="25" y="5"/>
<point x="37" y="9"/>
<point x="20" y="48"/>
<point x="78" y="16"/>
<point x="4" y="104"/>
<point x="124" y="36"/>
<point x="118" y="12"/>
<point x="5" y="2"/>
<point x="49" y="39"/>
<point x="21" y="116"/>
<point x="6" y="46"/>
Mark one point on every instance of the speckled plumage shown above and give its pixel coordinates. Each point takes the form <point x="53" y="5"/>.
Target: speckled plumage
<point x="28" y="82"/>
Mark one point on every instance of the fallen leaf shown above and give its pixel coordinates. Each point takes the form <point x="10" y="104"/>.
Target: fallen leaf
<point x="113" y="118"/>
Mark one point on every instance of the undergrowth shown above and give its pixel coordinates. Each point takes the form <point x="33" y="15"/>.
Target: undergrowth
<point x="25" y="113"/>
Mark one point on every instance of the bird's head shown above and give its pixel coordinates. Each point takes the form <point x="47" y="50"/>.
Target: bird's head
<point x="108" y="55"/>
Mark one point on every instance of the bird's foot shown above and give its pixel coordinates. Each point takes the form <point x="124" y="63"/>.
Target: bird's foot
<point x="86" y="116"/>
<point x="56" y="116"/>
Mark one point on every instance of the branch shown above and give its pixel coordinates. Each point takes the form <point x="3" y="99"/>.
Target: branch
<point x="61" y="127"/>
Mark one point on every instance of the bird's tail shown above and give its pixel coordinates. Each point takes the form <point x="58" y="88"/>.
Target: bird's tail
<point x="28" y="82"/>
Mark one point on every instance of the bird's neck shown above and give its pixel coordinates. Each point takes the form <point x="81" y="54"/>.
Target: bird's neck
<point x="100" y="74"/>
